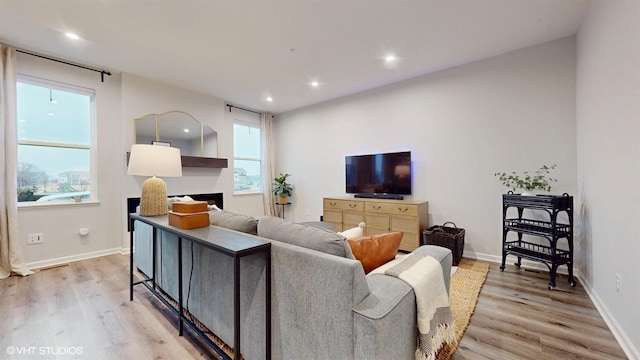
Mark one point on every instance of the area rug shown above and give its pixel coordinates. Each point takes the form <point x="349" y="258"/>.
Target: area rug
<point x="464" y="291"/>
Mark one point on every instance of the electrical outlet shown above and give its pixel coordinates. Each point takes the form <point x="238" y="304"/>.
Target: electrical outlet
<point x="35" y="239"/>
<point x="618" y="282"/>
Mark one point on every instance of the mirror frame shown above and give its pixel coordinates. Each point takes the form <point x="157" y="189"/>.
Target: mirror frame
<point x="157" y="118"/>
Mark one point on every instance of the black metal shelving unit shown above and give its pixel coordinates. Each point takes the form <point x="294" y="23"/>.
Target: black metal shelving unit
<point x="552" y="230"/>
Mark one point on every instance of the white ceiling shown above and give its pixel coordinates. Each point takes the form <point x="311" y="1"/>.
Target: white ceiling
<point x="243" y="51"/>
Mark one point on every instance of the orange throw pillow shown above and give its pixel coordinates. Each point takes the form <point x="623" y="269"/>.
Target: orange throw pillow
<point x="375" y="250"/>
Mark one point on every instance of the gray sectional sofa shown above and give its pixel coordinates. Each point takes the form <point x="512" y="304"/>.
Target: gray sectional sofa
<point x="323" y="304"/>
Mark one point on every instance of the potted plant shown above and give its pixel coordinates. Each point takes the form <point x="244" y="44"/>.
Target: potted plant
<point x="540" y="180"/>
<point x="281" y="188"/>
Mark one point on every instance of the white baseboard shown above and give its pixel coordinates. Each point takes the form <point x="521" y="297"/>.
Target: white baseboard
<point x="623" y="339"/>
<point x="73" y="258"/>
<point x="621" y="336"/>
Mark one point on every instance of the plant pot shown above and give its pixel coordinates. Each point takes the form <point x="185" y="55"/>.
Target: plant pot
<point x="283" y="199"/>
<point x="527" y="193"/>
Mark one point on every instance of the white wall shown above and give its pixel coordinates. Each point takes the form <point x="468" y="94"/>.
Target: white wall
<point x="510" y="112"/>
<point x="60" y="224"/>
<point x="608" y="139"/>
<point x="121" y="99"/>
<point x="141" y="96"/>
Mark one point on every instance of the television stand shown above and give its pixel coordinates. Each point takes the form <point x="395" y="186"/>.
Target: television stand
<point x="379" y="196"/>
<point x="380" y="216"/>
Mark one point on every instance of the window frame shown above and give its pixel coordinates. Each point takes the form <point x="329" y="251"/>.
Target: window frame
<point x="92" y="146"/>
<point x="258" y="126"/>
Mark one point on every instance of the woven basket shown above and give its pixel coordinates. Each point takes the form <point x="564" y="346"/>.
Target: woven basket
<point x="446" y="236"/>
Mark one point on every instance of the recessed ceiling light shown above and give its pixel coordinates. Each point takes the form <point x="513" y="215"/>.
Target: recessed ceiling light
<point x="269" y="99"/>
<point x="51" y="114"/>
<point x="390" y="61"/>
<point x="315" y="84"/>
<point x="186" y="130"/>
<point x="72" y="36"/>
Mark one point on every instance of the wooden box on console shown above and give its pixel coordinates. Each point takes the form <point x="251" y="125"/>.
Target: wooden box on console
<point x="189" y="207"/>
<point x="188" y="220"/>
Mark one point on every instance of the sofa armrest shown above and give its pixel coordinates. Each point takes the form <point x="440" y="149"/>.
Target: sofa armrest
<point x="385" y="321"/>
<point x="443" y="255"/>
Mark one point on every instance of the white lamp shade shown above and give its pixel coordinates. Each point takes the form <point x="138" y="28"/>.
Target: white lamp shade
<point x="154" y="160"/>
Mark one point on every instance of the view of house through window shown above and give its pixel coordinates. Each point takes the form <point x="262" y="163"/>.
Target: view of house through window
<point x="246" y="158"/>
<point x="54" y="141"/>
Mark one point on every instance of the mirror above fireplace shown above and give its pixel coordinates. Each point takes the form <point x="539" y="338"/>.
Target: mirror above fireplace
<point x="197" y="141"/>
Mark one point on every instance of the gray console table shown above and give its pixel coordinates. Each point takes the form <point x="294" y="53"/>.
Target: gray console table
<point x="226" y="242"/>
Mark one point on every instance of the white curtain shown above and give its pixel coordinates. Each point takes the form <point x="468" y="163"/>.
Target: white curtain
<point x="267" y="165"/>
<point x="11" y="259"/>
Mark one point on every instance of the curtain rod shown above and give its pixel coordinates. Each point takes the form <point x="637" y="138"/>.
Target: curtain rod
<point x="102" y="72"/>
<point x="237" y="107"/>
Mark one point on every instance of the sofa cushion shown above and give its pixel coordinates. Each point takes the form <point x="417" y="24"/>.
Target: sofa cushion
<point x="233" y="221"/>
<point x="353" y="232"/>
<point x="375" y="250"/>
<point x="310" y="237"/>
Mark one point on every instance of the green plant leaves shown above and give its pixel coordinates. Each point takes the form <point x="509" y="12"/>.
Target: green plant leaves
<point x="540" y="180"/>
<point x="280" y="185"/>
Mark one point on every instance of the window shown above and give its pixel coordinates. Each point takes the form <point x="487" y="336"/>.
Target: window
<point x="247" y="174"/>
<point x="55" y="142"/>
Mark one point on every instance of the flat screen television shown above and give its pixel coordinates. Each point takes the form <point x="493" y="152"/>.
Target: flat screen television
<point x="379" y="175"/>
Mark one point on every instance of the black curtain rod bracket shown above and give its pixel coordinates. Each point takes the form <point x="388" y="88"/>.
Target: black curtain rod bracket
<point x="237" y="107"/>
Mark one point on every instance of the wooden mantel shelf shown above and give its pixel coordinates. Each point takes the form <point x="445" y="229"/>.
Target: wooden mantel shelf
<point x="205" y="162"/>
<point x="199" y="161"/>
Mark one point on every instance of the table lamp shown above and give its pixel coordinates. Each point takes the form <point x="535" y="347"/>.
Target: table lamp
<point x="154" y="160"/>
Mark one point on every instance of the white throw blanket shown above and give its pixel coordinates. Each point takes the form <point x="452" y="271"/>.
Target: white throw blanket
<point x="435" y="322"/>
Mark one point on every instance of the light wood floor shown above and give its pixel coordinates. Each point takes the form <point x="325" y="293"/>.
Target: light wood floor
<point x="84" y="309"/>
<point x="517" y="317"/>
<point x="85" y="306"/>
